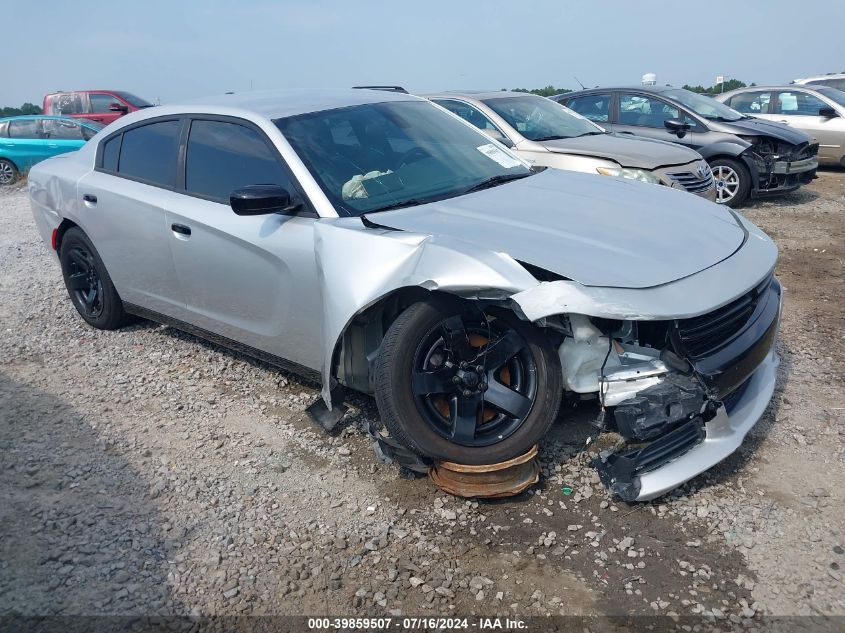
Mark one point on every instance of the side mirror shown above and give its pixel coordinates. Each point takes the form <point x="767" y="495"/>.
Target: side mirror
<point x="828" y="113"/>
<point x="498" y="136"/>
<point x="118" y="107"/>
<point x="262" y="200"/>
<point x="678" y="126"/>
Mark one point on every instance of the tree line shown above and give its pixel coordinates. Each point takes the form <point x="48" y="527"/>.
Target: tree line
<point x="730" y="84"/>
<point x="26" y="108"/>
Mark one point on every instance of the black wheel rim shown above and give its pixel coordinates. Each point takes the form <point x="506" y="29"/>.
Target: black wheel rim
<point x="84" y="283"/>
<point x="474" y="382"/>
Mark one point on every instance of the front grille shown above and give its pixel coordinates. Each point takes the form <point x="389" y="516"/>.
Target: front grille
<point x="703" y="335"/>
<point x="802" y="151"/>
<point x="670" y="446"/>
<point x="692" y="181"/>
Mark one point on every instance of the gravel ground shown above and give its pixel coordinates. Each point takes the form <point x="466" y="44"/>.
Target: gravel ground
<point x="146" y="472"/>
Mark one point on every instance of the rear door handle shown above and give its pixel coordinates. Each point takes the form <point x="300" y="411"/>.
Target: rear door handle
<point x="90" y="199"/>
<point x="181" y="229"/>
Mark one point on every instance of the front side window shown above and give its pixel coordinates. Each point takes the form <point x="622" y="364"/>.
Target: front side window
<point x="150" y="153"/>
<point x="756" y="102"/>
<point x="376" y="156"/>
<point x="24" y="129"/>
<point x="645" y="111"/>
<point x="541" y="119"/>
<point x="222" y="157"/>
<point x="62" y="130"/>
<point x="595" y="107"/>
<point x="100" y="103"/>
<point x="133" y="100"/>
<point x="796" y="103"/>
<point x="467" y="113"/>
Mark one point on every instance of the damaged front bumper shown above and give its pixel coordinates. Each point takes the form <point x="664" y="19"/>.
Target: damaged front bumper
<point x="691" y="448"/>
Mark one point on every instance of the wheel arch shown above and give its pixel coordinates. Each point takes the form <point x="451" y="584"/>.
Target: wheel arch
<point x="64" y="226"/>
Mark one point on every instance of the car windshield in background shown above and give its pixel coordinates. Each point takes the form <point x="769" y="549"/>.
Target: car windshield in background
<point x="833" y="94"/>
<point x="704" y="106"/>
<point x="540" y="119"/>
<point x="131" y="99"/>
<point x="382" y="156"/>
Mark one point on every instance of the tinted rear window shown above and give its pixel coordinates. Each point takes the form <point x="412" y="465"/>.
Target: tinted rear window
<point x="150" y="153"/>
<point x="111" y="153"/>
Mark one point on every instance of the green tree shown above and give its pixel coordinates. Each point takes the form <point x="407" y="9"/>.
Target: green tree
<point x="730" y="84"/>
<point x="26" y="108"/>
<point x="548" y="91"/>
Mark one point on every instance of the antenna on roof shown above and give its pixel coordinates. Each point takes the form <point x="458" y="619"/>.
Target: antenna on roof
<point x="583" y="87"/>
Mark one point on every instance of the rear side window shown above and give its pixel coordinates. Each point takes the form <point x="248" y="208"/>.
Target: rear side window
<point x="595" y="107"/>
<point x="23" y="128"/>
<point x="222" y="157"/>
<point x="111" y="153"/>
<point x="150" y="153"/>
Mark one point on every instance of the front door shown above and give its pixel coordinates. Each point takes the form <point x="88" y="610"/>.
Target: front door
<point x="646" y="115"/>
<point x="800" y="109"/>
<point x="252" y="279"/>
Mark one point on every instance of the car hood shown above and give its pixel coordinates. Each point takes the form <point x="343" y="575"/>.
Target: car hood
<point x="625" y="149"/>
<point x="595" y="230"/>
<point x="761" y="127"/>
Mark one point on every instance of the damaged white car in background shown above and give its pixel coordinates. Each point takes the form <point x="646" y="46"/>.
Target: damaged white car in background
<point x="374" y="241"/>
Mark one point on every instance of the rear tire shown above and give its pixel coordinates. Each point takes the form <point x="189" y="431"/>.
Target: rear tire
<point x="88" y="283"/>
<point x="733" y="182"/>
<point x="8" y="172"/>
<point x="425" y="408"/>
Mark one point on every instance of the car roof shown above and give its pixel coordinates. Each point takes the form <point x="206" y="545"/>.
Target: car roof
<point x="479" y="95"/>
<point x="654" y="89"/>
<point x="817" y="77"/>
<point x="275" y="104"/>
<point x="19" y="117"/>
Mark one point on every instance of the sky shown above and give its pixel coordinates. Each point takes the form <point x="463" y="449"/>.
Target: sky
<point x="182" y="49"/>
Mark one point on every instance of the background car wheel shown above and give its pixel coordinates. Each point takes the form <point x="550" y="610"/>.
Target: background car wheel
<point x="88" y="283"/>
<point x="455" y="386"/>
<point x="733" y="182"/>
<point x="8" y="172"/>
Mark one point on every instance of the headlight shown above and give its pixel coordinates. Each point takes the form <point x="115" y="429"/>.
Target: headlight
<point x="629" y="174"/>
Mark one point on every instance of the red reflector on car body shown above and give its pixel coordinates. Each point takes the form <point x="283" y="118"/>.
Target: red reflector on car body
<point x="54" y="239"/>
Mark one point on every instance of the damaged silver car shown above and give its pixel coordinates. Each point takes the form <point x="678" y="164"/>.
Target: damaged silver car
<point x="374" y="241"/>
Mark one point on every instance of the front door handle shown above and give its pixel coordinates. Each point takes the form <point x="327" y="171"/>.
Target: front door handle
<point x="89" y="198"/>
<point x="181" y="229"/>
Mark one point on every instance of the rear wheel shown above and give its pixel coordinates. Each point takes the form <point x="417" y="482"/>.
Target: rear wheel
<point x="456" y="386"/>
<point x="88" y="283"/>
<point x="8" y="172"/>
<point x="733" y="181"/>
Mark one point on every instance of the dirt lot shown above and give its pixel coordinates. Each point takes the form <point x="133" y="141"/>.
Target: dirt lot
<point x="146" y="472"/>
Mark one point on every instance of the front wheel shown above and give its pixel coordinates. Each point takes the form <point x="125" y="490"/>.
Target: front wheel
<point x="455" y="385"/>
<point x="733" y="181"/>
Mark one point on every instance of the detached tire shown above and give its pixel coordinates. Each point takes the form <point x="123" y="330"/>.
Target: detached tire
<point x="453" y="386"/>
<point x="88" y="283"/>
<point x="733" y="182"/>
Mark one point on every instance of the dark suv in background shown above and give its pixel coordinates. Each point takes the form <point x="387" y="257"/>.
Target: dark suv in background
<point x="750" y="157"/>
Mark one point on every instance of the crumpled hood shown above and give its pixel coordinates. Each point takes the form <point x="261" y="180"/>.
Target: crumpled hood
<point x="759" y="127"/>
<point x="626" y="149"/>
<point x="595" y="230"/>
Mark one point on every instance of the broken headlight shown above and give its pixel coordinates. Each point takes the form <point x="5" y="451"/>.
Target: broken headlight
<point x="629" y="173"/>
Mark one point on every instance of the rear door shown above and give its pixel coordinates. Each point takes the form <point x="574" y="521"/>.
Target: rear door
<point x="800" y="109"/>
<point x="248" y="278"/>
<point x="24" y="145"/>
<point x="122" y="206"/>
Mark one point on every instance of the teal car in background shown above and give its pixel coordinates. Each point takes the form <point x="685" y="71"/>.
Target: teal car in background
<point x="26" y="140"/>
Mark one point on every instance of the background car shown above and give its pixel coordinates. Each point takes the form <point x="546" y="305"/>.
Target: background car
<point x="815" y="109"/>
<point x="27" y="140"/>
<point x="102" y="106"/>
<point x="546" y="134"/>
<point x="749" y="157"/>
<point x="831" y="80"/>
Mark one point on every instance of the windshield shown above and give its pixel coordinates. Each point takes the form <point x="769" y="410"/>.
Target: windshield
<point x="833" y="94"/>
<point x="131" y="99"/>
<point x="540" y="119"/>
<point x="706" y="107"/>
<point x="377" y="156"/>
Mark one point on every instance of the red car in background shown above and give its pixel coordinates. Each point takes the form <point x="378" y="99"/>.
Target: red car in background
<point x="102" y="106"/>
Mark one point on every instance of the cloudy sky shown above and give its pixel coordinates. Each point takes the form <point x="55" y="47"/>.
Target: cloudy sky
<point x="178" y="49"/>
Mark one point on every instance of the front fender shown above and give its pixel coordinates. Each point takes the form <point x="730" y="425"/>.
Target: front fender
<point x="723" y="148"/>
<point x="359" y="265"/>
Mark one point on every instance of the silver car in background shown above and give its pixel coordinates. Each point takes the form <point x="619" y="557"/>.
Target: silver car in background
<point x="550" y="135"/>
<point x="816" y="110"/>
<point x="374" y="241"/>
